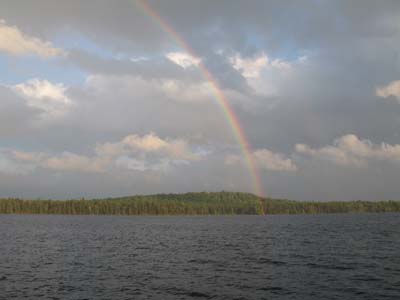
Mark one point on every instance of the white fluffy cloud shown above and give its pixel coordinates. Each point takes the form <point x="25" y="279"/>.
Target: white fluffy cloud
<point x="169" y="148"/>
<point x="14" y="42"/>
<point x="48" y="97"/>
<point x="252" y="67"/>
<point x="65" y="161"/>
<point x="269" y="160"/>
<point x="349" y="150"/>
<point x="249" y="68"/>
<point x="183" y="59"/>
<point x="392" y="89"/>
<point x="134" y="152"/>
<point x="266" y="160"/>
<point x="263" y="74"/>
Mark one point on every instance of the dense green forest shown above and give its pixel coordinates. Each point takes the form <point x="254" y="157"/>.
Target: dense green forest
<point x="221" y="203"/>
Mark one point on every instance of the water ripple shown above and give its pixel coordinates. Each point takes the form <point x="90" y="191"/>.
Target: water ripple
<point x="240" y="257"/>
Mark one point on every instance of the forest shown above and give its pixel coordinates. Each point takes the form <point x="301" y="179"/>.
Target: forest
<point x="204" y="203"/>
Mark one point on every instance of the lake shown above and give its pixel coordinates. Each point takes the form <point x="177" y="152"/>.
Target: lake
<point x="337" y="256"/>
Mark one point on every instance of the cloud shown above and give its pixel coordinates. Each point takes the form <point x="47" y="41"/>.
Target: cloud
<point x="177" y="149"/>
<point x="349" y="150"/>
<point x="392" y="89"/>
<point x="167" y="89"/>
<point x="78" y="163"/>
<point x="134" y="164"/>
<point x="157" y="67"/>
<point x="134" y="104"/>
<point x="134" y="152"/>
<point x="269" y="160"/>
<point x="28" y="157"/>
<point x="181" y="91"/>
<point x="263" y="75"/>
<point x="48" y="97"/>
<point x="15" y="116"/>
<point x="251" y="67"/>
<point x="183" y="59"/>
<point x="147" y="143"/>
<point x="266" y="160"/>
<point x="290" y="76"/>
<point x="66" y="161"/>
<point x="13" y="41"/>
<point x="205" y="25"/>
<point x="12" y="167"/>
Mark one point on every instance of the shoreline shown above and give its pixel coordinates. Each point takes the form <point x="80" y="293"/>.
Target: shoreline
<point x="192" y="204"/>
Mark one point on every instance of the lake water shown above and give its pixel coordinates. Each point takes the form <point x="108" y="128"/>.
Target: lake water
<point x="341" y="256"/>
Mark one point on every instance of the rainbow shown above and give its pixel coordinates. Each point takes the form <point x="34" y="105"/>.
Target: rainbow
<point x="223" y="102"/>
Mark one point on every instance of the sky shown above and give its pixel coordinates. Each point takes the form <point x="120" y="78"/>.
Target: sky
<point x="110" y="98"/>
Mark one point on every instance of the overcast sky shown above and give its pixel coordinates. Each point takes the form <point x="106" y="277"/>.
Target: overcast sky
<point x="98" y="100"/>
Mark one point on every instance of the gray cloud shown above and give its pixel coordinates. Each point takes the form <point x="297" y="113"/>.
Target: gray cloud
<point x="342" y="63"/>
<point x="275" y="21"/>
<point x="154" y="67"/>
<point x="16" y="117"/>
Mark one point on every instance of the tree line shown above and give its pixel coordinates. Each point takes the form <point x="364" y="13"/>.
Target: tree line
<point x="219" y="203"/>
<point x="283" y="206"/>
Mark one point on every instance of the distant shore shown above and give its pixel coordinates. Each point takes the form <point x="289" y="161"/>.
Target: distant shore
<point x="204" y="203"/>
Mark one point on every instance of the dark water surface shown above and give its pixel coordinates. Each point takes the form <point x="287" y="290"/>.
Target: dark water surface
<point x="341" y="256"/>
